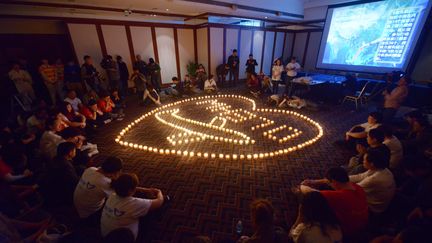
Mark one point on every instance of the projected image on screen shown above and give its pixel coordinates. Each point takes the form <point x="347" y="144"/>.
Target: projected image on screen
<point x="377" y="35"/>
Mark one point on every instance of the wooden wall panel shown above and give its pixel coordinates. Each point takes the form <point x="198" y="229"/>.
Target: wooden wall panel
<point x="279" y="45"/>
<point x="231" y="41"/>
<point x="216" y="48"/>
<point x="268" y="52"/>
<point x="186" y="49"/>
<point x="288" y="46"/>
<point x="116" y="43"/>
<point x="202" y="47"/>
<point x="245" y="47"/>
<point x="166" y="51"/>
<point x="142" y="42"/>
<point x="299" y="46"/>
<point x="258" y="41"/>
<point x="86" y="42"/>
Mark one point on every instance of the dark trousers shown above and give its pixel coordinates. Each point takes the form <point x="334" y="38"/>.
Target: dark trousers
<point x="289" y="85"/>
<point x="221" y="80"/>
<point x="234" y="73"/>
<point x="275" y="84"/>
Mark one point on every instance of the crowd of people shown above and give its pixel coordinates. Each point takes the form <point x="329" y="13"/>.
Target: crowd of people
<point x="382" y="193"/>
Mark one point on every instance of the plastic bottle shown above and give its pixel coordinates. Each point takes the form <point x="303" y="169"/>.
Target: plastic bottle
<point x="239" y="227"/>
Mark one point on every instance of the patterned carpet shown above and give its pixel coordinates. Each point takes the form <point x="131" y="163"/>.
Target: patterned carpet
<point x="209" y="196"/>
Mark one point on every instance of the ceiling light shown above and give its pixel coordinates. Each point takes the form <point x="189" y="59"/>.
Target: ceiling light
<point x="265" y="17"/>
<point x="167" y="9"/>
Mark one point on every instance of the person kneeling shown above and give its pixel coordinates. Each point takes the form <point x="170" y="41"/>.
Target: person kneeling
<point x="122" y="209"/>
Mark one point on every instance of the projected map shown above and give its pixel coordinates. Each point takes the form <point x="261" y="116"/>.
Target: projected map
<point x="377" y="34"/>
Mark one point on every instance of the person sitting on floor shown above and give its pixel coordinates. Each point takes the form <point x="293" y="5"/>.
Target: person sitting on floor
<point x="262" y="217"/>
<point x="347" y="199"/>
<point x="151" y="95"/>
<point x="58" y="185"/>
<point x="50" y="139"/>
<point x="316" y="221"/>
<point x="106" y="105"/>
<point x="419" y="138"/>
<point x="90" y="95"/>
<point x="14" y="230"/>
<point x="94" y="116"/>
<point x="355" y="164"/>
<point x="360" y="131"/>
<point x="395" y="147"/>
<point x="94" y="187"/>
<point x="122" y="209"/>
<point x="176" y="89"/>
<point x="71" y="117"/>
<point x="253" y="85"/>
<point x="210" y="86"/>
<point x="73" y="100"/>
<point x="377" y="181"/>
<point x="36" y="122"/>
<point x="119" y="103"/>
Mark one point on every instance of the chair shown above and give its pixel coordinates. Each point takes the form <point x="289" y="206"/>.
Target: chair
<point x="358" y="97"/>
<point x="371" y="93"/>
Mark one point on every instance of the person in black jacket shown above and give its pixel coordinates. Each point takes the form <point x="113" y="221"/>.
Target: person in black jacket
<point x="233" y="62"/>
<point x="124" y="76"/>
<point x="250" y="66"/>
<point x="59" y="183"/>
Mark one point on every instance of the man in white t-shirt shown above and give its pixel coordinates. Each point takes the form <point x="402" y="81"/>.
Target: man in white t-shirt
<point x="291" y="68"/>
<point x="395" y="147"/>
<point x="94" y="187"/>
<point x="377" y="181"/>
<point x="73" y="100"/>
<point x="361" y="130"/>
<point x="123" y="210"/>
<point x="50" y="139"/>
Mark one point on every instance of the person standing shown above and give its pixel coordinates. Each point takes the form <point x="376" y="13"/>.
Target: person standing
<point x="112" y="70"/>
<point x="49" y="76"/>
<point x="154" y="71"/>
<point x="292" y="68"/>
<point x="233" y="62"/>
<point x="89" y="74"/>
<point x="394" y="99"/>
<point x="59" y="67"/>
<point x="141" y="65"/>
<point x="277" y="70"/>
<point x="250" y="66"/>
<point x="72" y="77"/>
<point x="139" y="81"/>
<point x="124" y="76"/>
<point x="23" y="82"/>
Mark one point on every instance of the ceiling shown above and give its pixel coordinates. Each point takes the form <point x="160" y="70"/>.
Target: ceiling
<point x="173" y="10"/>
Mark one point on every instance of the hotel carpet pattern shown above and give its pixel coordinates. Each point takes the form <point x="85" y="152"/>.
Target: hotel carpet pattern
<point x="209" y="196"/>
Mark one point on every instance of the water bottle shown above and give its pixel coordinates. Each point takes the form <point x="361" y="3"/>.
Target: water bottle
<point x="239" y="227"/>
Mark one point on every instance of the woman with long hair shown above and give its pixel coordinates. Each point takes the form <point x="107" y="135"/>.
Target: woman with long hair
<point x="316" y="221"/>
<point x="262" y="217"/>
<point x="277" y="70"/>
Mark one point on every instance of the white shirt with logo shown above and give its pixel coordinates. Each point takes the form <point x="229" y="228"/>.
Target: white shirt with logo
<point x="123" y="212"/>
<point x="91" y="191"/>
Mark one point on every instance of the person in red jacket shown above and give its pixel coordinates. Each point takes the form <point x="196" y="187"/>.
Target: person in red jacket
<point x="347" y="199"/>
<point x="253" y="85"/>
<point x="106" y="105"/>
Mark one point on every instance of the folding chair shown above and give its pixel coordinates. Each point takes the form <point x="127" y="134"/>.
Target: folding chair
<point x="357" y="97"/>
